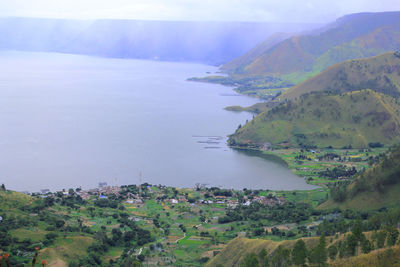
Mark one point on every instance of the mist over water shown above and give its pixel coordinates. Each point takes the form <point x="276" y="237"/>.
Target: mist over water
<point x="70" y="121"/>
<point x="188" y="41"/>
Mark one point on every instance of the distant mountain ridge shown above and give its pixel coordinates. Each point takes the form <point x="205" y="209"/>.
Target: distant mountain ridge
<point x="348" y="105"/>
<point x="206" y="42"/>
<point x="350" y="37"/>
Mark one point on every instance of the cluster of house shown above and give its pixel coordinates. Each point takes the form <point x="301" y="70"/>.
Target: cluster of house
<point x="269" y="201"/>
<point x="101" y="191"/>
<point x="232" y="203"/>
<point x="104" y="190"/>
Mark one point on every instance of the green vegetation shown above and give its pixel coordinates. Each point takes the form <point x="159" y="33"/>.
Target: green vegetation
<point x="256" y="108"/>
<point x="295" y="59"/>
<point x="373" y="239"/>
<point x="131" y="225"/>
<point x="380" y="73"/>
<point x="377" y="187"/>
<point x="353" y="119"/>
<point x="264" y="87"/>
<point x="151" y="225"/>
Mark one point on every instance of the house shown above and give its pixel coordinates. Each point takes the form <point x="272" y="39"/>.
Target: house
<point x="102" y="184"/>
<point x="44" y="191"/>
<point x="174" y="201"/>
<point x="266" y="146"/>
<point x="247" y="203"/>
<point x="182" y="199"/>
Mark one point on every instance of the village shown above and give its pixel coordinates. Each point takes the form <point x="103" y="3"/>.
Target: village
<point x="146" y="191"/>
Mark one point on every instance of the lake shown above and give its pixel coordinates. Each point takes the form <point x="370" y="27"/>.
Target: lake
<point x="70" y="121"/>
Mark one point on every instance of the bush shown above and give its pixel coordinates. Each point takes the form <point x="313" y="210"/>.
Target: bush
<point x="374" y="145"/>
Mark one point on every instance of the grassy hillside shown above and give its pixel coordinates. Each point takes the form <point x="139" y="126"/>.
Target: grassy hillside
<point x="272" y="67"/>
<point x="350" y="119"/>
<point x="350" y="37"/>
<point x="235" y="252"/>
<point x="254" y="53"/>
<point x="378" y="258"/>
<point x="375" y="188"/>
<point x="380" y="73"/>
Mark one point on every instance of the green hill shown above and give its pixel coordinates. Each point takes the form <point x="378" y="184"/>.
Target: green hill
<point x="299" y="57"/>
<point x="375" y="188"/>
<point x="380" y="73"/>
<point x="236" y="250"/>
<point x="350" y="119"/>
<point x="255" y="52"/>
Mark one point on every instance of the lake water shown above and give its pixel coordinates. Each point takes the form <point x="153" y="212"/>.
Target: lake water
<point x="69" y="121"/>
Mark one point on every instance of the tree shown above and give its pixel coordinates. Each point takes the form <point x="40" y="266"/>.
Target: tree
<point x="332" y="252"/>
<point x="392" y="235"/>
<point x="60" y="223"/>
<point x="351" y="244"/>
<point x="280" y="257"/>
<point x="264" y="258"/>
<point x="319" y="254"/>
<point x="299" y="253"/>
<point x="116" y="234"/>
<point x="366" y="246"/>
<point x="250" y="260"/>
<point x="3" y="187"/>
<point x="380" y="237"/>
<point x="357" y="230"/>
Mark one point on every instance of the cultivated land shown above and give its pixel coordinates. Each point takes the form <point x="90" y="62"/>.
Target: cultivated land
<point x="157" y="225"/>
<point x="338" y="130"/>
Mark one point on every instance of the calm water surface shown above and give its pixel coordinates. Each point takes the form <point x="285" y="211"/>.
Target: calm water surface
<point x="69" y="121"/>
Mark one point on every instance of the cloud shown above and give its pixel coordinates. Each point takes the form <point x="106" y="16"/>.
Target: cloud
<point x="225" y="10"/>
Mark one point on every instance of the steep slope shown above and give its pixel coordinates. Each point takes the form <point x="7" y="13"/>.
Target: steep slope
<point x="349" y="119"/>
<point x="378" y="258"/>
<point x="350" y="37"/>
<point x="375" y="188"/>
<point x="236" y="250"/>
<point x="254" y="53"/>
<point x="380" y="73"/>
<point x="234" y="253"/>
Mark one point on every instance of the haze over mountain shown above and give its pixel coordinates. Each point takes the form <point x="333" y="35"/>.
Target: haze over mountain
<point x="299" y="57"/>
<point x="206" y="42"/>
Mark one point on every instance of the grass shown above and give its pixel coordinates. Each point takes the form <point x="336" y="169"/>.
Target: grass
<point x="357" y="119"/>
<point x="377" y="258"/>
<point x="368" y="200"/>
<point x="10" y="200"/>
<point x="35" y="234"/>
<point x="238" y="248"/>
<point x="66" y="249"/>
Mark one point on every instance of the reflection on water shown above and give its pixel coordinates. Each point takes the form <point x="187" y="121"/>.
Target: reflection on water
<point x="266" y="156"/>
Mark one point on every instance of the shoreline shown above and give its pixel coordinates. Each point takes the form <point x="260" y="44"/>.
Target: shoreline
<point x="313" y="165"/>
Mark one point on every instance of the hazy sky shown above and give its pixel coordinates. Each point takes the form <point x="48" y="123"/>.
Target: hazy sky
<point x="228" y="10"/>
